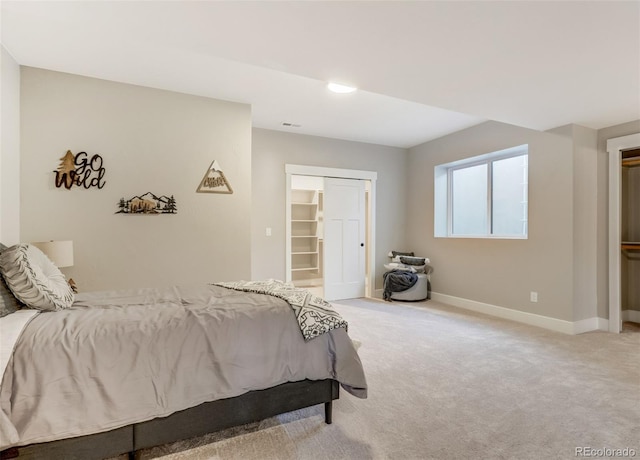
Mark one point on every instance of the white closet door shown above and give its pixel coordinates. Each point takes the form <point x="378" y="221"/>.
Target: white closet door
<point x="344" y="238"/>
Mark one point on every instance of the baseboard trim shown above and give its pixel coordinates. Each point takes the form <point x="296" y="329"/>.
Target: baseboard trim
<point x="546" y="322"/>
<point x="603" y="324"/>
<point x="553" y="324"/>
<point x="590" y="324"/>
<point x="631" y="315"/>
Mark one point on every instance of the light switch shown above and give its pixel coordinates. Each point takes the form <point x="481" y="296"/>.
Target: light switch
<point x="267" y="232"/>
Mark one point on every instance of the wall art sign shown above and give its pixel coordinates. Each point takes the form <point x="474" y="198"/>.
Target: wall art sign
<point x="148" y="204"/>
<point x="214" y="181"/>
<point x="80" y="170"/>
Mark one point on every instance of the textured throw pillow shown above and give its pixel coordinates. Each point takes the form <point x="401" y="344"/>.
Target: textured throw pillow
<point x="412" y="260"/>
<point x="399" y="253"/>
<point x="8" y="302"/>
<point x="34" y="279"/>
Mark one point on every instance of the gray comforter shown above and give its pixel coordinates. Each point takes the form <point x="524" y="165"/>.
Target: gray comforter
<point x="120" y="357"/>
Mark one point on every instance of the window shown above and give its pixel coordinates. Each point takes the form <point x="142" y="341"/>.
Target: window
<point x="483" y="196"/>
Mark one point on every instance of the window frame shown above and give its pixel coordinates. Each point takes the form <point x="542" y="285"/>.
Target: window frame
<point x="486" y="159"/>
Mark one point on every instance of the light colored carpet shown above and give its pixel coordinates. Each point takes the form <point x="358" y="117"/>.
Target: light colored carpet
<point x="445" y="383"/>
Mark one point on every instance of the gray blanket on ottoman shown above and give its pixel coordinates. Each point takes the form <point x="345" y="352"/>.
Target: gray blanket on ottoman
<point x="397" y="281"/>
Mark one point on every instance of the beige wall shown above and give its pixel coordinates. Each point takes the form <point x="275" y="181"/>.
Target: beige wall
<point x="585" y="223"/>
<point x="273" y="149"/>
<point x="585" y="218"/>
<point x="501" y="272"/>
<point x="9" y="149"/>
<point x="160" y="141"/>
<point x="151" y="141"/>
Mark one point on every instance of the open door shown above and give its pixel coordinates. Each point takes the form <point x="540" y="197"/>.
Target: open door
<point x="615" y="147"/>
<point x="344" y="238"/>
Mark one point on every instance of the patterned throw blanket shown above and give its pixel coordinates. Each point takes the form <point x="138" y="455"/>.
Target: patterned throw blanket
<point x="314" y="314"/>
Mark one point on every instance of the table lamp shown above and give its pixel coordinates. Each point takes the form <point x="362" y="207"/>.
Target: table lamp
<point x="60" y="253"/>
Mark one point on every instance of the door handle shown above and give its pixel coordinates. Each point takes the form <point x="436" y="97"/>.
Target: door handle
<point x="362" y="245"/>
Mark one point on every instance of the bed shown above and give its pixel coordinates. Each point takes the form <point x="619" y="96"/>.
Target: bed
<point x="118" y="371"/>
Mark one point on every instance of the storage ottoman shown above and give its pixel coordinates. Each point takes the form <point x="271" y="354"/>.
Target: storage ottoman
<point x="419" y="291"/>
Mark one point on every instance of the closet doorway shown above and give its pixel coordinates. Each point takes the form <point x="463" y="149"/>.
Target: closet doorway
<point x="329" y="229"/>
<point x="624" y="230"/>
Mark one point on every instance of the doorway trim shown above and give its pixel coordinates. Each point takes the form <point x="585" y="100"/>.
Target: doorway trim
<point x="614" y="147"/>
<point x="304" y="170"/>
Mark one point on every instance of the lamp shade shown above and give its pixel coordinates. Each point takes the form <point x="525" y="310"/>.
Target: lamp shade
<point x="59" y="252"/>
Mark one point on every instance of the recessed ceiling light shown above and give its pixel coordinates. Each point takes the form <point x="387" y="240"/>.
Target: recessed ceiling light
<point x="342" y="89"/>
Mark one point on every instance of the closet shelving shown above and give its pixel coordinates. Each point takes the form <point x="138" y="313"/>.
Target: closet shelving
<point x="631" y="162"/>
<point x="306" y="217"/>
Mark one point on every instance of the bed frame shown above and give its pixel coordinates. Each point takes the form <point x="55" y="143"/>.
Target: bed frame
<point x="197" y="421"/>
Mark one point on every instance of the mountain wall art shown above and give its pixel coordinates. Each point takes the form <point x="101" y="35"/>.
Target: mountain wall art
<point x="148" y="204"/>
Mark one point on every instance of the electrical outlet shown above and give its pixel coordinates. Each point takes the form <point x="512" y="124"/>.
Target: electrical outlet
<point x="533" y="296"/>
<point x="267" y="232"/>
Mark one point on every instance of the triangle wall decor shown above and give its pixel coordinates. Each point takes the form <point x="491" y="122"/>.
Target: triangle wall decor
<point x="214" y="181"/>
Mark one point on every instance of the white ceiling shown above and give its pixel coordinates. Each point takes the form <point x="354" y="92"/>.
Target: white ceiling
<point x="424" y="69"/>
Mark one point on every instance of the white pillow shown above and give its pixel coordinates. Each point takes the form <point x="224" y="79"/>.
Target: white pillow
<point x="399" y="266"/>
<point x="34" y="279"/>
